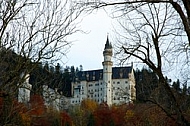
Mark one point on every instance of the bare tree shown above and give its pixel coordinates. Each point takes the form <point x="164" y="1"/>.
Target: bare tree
<point x="182" y="7"/>
<point x="32" y="31"/>
<point x="156" y="33"/>
<point x="155" y="38"/>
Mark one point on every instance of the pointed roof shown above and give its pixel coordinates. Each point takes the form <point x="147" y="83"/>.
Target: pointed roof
<point x="108" y="44"/>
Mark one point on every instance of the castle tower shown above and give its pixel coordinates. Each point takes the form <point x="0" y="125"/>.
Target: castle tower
<point x="107" y="72"/>
<point x="24" y="89"/>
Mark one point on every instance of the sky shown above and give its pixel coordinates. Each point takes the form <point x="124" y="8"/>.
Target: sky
<point x="87" y="49"/>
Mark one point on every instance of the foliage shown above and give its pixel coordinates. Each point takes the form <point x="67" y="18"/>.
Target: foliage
<point x="129" y="115"/>
<point x="26" y="119"/>
<point x="103" y="115"/>
<point x="9" y="110"/>
<point x="89" y="105"/>
<point x="113" y="116"/>
<point x="37" y="105"/>
<point x="32" y="114"/>
<point x="78" y="115"/>
<point x="65" y="119"/>
<point x="118" y="114"/>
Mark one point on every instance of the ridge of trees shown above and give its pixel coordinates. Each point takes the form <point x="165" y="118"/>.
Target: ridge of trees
<point x="54" y="77"/>
<point x="147" y="83"/>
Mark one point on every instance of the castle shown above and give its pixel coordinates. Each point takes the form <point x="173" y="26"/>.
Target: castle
<point x="112" y="85"/>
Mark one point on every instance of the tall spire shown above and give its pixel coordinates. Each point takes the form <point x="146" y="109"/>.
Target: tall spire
<point x="108" y="44"/>
<point x="107" y="72"/>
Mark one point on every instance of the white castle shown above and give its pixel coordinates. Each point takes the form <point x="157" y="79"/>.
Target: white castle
<point x="112" y="85"/>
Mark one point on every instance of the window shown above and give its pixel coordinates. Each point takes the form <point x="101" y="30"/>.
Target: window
<point x="114" y="82"/>
<point x="118" y="82"/>
<point x="116" y="93"/>
<point x="90" y="85"/>
<point x="96" y="84"/>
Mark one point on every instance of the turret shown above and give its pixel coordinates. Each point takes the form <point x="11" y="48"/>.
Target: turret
<point x="107" y="72"/>
<point x="107" y="51"/>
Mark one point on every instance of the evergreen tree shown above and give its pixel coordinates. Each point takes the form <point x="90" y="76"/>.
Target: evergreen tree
<point x="146" y="83"/>
<point x="176" y="86"/>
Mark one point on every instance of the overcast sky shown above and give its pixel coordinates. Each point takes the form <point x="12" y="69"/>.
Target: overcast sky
<point x="87" y="50"/>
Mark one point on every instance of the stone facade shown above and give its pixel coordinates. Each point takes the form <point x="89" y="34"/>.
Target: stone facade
<point x="24" y="90"/>
<point x="54" y="99"/>
<point x="113" y="85"/>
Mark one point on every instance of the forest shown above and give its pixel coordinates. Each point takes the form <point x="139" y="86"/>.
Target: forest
<point x="143" y="111"/>
<point x="154" y="33"/>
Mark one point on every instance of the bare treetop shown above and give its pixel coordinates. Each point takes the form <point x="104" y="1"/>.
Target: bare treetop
<point x="37" y="29"/>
